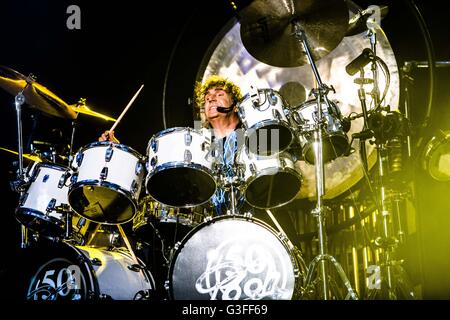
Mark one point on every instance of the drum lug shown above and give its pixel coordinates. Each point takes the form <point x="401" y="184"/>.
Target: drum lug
<point x="205" y="145"/>
<point x="96" y="262"/>
<point x="276" y="114"/>
<point x="252" y="168"/>
<point x="45" y="178"/>
<point x="138" y="169"/>
<point x="79" y="159"/>
<point x="187" y="138"/>
<point x="254" y="96"/>
<point x="154" y="145"/>
<point x="109" y="153"/>
<point x="297" y="118"/>
<point x="104" y="173"/>
<point x="35" y="174"/>
<point x="23" y="199"/>
<point x="63" y="179"/>
<point x="273" y="100"/>
<point x="187" y="156"/>
<point x="74" y="178"/>
<point x="51" y="205"/>
<point x="135" y="267"/>
<point x="134" y="187"/>
<point x="241" y="112"/>
<point x="154" y="161"/>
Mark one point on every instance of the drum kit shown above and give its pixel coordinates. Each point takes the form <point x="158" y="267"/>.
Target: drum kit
<point x="233" y="256"/>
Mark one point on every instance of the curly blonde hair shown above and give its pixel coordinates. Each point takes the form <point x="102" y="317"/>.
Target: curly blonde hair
<point x="213" y="81"/>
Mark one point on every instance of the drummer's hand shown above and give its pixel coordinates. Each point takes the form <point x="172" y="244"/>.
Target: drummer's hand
<point x="108" y="136"/>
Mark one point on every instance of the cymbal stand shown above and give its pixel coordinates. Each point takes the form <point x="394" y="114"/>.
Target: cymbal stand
<point x="20" y="184"/>
<point x="80" y="102"/>
<point x="319" y="212"/>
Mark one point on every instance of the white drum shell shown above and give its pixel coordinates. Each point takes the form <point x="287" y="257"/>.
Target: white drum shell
<point x="47" y="183"/>
<point x="171" y="148"/>
<point x="255" y="117"/>
<point x="121" y="167"/>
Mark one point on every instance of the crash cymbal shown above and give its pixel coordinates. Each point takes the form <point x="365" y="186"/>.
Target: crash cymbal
<point x="36" y="95"/>
<point x="267" y="29"/>
<point x="25" y="155"/>
<point x="81" y="107"/>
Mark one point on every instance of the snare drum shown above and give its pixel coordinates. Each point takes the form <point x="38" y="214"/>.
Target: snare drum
<point x="269" y="182"/>
<point x="41" y="208"/>
<point x="66" y="272"/>
<point x="335" y="140"/>
<point x="106" y="183"/>
<point x="169" y="222"/>
<point x="234" y="258"/>
<point x="263" y="115"/>
<point x="180" y="167"/>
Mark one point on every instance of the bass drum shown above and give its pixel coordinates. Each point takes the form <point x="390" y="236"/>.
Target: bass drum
<point x="235" y="258"/>
<point x="66" y="272"/>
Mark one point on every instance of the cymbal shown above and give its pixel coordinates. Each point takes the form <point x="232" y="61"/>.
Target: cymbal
<point x="36" y="95"/>
<point x="81" y="107"/>
<point x="25" y="155"/>
<point x="267" y="29"/>
<point x="358" y="23"/>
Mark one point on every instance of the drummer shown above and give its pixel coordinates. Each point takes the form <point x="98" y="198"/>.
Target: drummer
<point x="218" y="97"/>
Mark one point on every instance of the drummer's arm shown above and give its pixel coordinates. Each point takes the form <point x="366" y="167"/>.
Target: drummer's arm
<point x="108" y="136"/>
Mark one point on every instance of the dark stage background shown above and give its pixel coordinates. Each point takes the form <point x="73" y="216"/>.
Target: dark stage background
<point x="161" y="44"/>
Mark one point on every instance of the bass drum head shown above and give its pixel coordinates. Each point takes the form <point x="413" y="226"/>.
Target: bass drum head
<point x="61" y="271"/>
<point x="232" y="258"/>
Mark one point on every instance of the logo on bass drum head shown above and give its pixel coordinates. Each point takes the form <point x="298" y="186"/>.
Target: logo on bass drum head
<point x="57" y="279"/>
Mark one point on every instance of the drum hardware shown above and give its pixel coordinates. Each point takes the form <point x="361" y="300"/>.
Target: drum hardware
<point x="303" y="268"/>
<point x="388" y="130"/>
<point x="320" y="94"/>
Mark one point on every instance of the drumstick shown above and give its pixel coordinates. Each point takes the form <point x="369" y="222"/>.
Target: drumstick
<point x="126" y="109"/>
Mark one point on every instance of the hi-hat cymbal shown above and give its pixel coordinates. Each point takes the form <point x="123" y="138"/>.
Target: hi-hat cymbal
<point x="267" y="29"/>
<point x="36" y="95"/>
<point x="81" y="107"/>
<point x="31" y="157"/>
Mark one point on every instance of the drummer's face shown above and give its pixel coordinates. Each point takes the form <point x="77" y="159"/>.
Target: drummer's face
<point x="214" y="98"/>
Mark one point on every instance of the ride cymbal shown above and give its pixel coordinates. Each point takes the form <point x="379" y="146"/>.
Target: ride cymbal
<point x="267" y="29"/>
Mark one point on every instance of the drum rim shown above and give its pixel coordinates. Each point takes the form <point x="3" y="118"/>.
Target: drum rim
<point x="180" y="164"/>
<point x="119" y="146"/>
<point x="252" y="179"/>
<point x="97" y="183"/>
<point x="261" y="124"/>
<point x="26" y="211"/>
<point x="51" y="165"/>
<point x="179" y="246"/>
<point x="174" y="129"/>
<point x="247" y="95"/>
